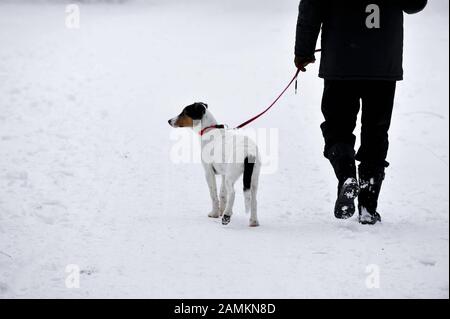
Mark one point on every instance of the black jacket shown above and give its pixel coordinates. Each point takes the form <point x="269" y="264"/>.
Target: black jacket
<point x="350" y="49"/>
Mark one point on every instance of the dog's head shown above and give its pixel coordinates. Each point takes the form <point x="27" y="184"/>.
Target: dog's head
<point x="189" y="115"/>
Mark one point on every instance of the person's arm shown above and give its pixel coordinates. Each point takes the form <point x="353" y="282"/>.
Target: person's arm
<point x="413" y="6"/>
<point x="308" y="29"/>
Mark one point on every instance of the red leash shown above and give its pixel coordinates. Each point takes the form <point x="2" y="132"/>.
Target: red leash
<point x="294" y="79"/>
<point x="202" y="132"/>
<point x="271" y="105"/>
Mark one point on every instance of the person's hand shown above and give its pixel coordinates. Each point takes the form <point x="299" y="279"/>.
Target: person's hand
<point x="301" y="62"/>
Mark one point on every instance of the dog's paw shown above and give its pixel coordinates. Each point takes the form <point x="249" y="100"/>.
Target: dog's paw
<point x="214" y="215"/>
<point x="254" y="223"/>
<point x="226" y="220"/>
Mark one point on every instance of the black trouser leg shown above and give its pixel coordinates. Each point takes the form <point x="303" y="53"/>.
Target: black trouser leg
<point x="378" y="102"/>
<point x="377" y="106"/>
<point x="340" y="107"/>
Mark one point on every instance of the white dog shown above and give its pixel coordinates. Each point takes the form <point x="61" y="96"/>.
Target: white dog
<point x="225" y="153"/>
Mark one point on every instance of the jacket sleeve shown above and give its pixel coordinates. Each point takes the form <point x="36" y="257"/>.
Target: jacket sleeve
<point x="308" y="27"/>
<point x="414" y="6"/>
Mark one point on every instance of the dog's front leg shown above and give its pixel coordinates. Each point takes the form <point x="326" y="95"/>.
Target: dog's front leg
<point x="212" y="184"/>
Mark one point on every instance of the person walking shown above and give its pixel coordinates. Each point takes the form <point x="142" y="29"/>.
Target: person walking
<point x="362" y="57"/>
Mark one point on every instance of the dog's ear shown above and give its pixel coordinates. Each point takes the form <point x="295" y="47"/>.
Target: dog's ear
<point x="196" y="111"/>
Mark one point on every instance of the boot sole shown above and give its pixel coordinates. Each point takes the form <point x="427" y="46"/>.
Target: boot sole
<point x="346" y="199"/>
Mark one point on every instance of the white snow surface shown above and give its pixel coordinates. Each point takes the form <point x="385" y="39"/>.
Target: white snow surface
<point x="86" y="177"/>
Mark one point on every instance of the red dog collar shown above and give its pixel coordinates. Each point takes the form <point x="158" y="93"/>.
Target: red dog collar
<point x="219" y="127"/>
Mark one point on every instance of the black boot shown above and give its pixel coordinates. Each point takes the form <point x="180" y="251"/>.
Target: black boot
<point x="370" y="182"/>
<point x="345" y="204"/>
<point x="342" y="157"/>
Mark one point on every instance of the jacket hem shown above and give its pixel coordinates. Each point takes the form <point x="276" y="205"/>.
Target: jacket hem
<point x="361" y="77"/>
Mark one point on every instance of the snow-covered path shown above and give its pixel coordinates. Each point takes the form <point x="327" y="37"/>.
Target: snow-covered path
<point x="86" y="177"/>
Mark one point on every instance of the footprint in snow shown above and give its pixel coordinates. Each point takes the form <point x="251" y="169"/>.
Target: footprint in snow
<point x="50" y="212"/>
<point x="17" y="177"/>
<point x="428" y="263"/>
<point x="3" y="288"/>
<point x="88" y="271"/>
<point x="7" y="138"/>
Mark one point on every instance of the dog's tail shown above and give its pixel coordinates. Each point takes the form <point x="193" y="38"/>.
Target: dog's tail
<point x="249" y="165"/>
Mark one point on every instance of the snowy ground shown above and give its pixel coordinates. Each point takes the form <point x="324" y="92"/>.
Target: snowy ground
<point x="86" y="178"/>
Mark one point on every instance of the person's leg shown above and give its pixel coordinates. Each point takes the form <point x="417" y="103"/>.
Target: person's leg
<point x="378" y="101"/>
<point x="377" y="106"/>
<point x="340" y="107"/>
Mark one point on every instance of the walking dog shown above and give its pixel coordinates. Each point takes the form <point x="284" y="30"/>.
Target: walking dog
<point x="225" y="153"/>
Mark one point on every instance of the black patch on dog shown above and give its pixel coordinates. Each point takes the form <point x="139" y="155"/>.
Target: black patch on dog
<point x="196" y="111"/>
<point x="249" y="164"/>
